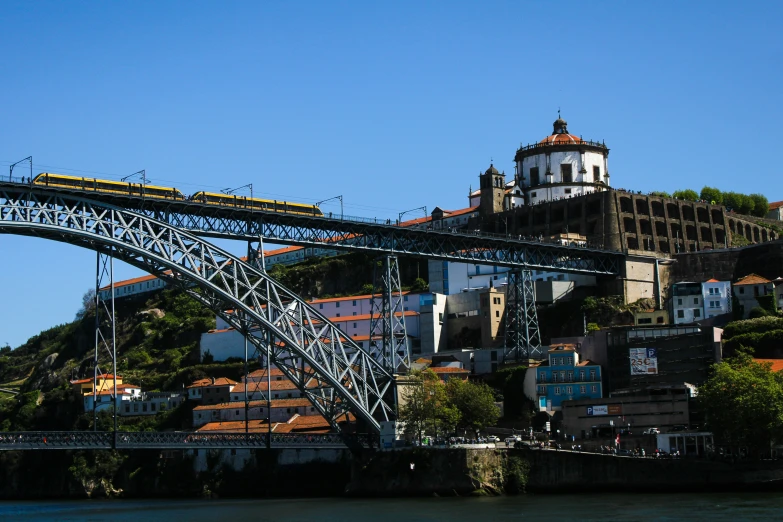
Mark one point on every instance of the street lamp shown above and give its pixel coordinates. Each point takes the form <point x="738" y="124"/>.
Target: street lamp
<point x="434" y="427"/>
<point x="142" y="173"/>
<point x="399" y="218"/>
<point x="230" y="191"/>
<point x="340" y="197"/>
<point x="11" y="168"/>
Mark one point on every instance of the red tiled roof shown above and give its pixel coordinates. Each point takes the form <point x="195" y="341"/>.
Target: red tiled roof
<point x="341" y="299"/>
<point x="276" y="372"/>
<point x="128" y="386"/>
<point x="452" y="213"/>
<point x="777" y="364"/>
<point x="110" y="392"/>
<point x="562" y="348"/>
<point x="365" y="317"/>
<point x="90" y="379"/>
<point x="752" y="279"/>
<point x="775" y="204"/>
<point x="283" y="250"/>
<point x="253" y="426"/>
<point x="261" y="386"/>
<point x="276" y="403"/>
<point x="561" y="139"/>
<point x="141" y="279"/>
<point x="713" y="281"/>
<point x="447" y="369"/>
<point x="220" y="381"/>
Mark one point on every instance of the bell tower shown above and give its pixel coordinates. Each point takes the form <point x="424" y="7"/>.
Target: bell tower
<point x="493" y="189"/>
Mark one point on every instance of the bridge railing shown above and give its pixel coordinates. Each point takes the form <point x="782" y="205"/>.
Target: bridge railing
<point x="27" y="440"/>
<point x="38" y="440"/>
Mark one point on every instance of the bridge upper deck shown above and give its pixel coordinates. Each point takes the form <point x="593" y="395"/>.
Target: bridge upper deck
<point x="349" y="233"/>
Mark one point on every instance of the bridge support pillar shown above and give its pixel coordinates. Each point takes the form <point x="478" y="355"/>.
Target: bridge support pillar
<point x="523" y="340"/>
<point x="105" y="333"/>
<point x="388" y="336"/>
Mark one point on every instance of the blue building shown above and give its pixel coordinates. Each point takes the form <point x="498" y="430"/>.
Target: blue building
<point x="562" y="377"/>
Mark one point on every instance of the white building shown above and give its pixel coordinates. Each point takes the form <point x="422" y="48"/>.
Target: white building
<point x="151" y="403"/>
<point x="350" y="314"/>
<point x="449" y="278"/>
<point x="687" y="303"/>
<point x="749" y="288"/>
<point x="513" y="195"/>
<point x="282" y="410"/>
<point x="775" y="210"/>
<point x="103" y="398"/>
<point x="692" y="302"/>
<point x="716" y="296"/>
<point x="561" y="166"/>
<point x="135" y="286"/>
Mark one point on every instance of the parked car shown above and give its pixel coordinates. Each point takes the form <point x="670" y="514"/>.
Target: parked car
<point x="651" y="431"/>
<point x="492" y="438"/>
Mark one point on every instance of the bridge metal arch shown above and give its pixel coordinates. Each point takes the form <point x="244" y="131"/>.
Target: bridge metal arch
<point x="331" y="370"/>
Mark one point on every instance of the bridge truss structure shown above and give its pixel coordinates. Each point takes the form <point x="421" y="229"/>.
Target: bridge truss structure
<point x="523" y="340"/>
<point x="387" y="317"/>
<point x="339" y="378"/>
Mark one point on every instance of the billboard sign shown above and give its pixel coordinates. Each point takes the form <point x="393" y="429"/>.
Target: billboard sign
<point x="597" y="410"/>
<point x="644" y="361"/>
<point x="615" y="409"/>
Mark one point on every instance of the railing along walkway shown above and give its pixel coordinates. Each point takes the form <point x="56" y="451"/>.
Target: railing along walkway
<point x="81" y="440"/>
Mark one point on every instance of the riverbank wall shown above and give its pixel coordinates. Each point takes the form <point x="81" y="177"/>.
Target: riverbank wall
<point x="171" y="474"/>
<point x="570" y="472"/>
<point x="336" y="472"/>
<point x="427" y="472"/>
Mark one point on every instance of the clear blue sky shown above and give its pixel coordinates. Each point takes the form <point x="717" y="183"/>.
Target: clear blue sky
<point x="393" y="105"/>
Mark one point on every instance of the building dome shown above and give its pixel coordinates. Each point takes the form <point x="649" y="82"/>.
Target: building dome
<point x="560" y="135"/>
<point x="492" y="170"/>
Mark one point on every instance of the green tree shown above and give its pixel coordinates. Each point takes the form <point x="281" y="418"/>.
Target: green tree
<point x="510" y="383"/>
<point x="743" y="403"/>
<point x="711" y="195"/>
<point x="687" y="194"/>
<point x="760" y="205"/>
<point x="475" y="403"/>
<point x="747" y="204"/>
<point x="88" y="304"/>
<point x="426" y="407"/>
<point x="660" y="194"/>
<point x="419" y="285"/>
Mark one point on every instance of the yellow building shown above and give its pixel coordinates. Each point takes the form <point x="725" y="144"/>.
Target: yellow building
<point x="103" y="382"/>
<point x="650" y="316"/>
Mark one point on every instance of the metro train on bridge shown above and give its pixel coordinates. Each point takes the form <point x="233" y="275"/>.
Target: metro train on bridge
<point x="48" y="179"/>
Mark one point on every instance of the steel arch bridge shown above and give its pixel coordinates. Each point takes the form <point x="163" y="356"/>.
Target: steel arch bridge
<point x="331" y="370"/>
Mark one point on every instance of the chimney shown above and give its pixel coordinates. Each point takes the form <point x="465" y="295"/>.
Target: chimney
<point x="213" y="380"/>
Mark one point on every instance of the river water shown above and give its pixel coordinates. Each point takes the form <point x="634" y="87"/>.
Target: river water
<point x="565" y="507"/>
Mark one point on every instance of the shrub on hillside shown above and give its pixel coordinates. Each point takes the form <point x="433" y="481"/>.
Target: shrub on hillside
<point x="760" y="325"/>
<point x="757" y="312"/>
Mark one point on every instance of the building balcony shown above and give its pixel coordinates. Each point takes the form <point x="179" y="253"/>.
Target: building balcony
<point x="569" y="381"/>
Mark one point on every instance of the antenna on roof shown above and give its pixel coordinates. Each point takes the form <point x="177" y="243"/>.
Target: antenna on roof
<point x="558" y="113"/>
